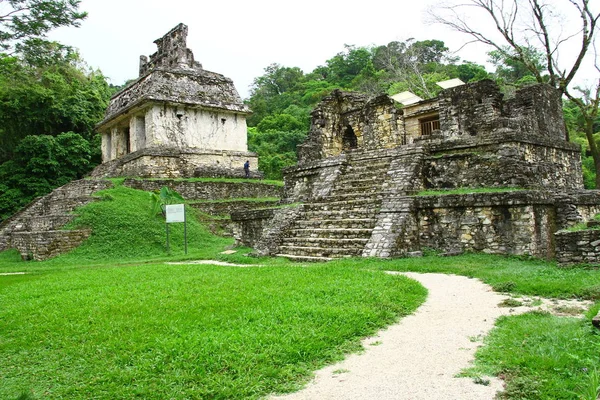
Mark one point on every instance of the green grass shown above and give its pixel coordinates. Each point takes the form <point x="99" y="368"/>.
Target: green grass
<point x="542" y="357"/>
<point x="505" y="273"/>
<point x="187" y="331"/>
<point x="111" y="320"/>
<point x="438" y="192"/>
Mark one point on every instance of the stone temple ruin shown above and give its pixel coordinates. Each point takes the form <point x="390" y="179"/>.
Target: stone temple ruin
<point x="365" y="165"/>
<point x="372" y="178"/>
<point x="175" y="120"/>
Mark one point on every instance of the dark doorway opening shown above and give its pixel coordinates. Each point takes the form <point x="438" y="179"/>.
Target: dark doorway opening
<point x="349" y="140"/>
<point x="127" y="141"/>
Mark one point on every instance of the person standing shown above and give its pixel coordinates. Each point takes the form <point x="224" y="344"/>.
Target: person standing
<point x="247" y="168"/>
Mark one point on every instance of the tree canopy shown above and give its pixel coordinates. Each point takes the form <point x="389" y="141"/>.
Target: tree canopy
<point x="23" y="20"/>
<point x="281" y="99"/>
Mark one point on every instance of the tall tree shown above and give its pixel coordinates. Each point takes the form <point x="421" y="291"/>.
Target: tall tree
<point x="21" y="20"/>
<point x="528" y="28"/>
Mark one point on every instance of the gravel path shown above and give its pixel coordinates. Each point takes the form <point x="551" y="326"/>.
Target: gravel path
<point x="419" y="357"/>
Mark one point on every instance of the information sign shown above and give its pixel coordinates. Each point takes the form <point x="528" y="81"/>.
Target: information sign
<point x="175" y="213"/>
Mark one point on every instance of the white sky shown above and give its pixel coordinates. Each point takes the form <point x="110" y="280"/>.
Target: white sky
<point x="240" y="38"/>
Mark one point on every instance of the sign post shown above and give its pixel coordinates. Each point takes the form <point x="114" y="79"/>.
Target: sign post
<point x="176" y="213"/>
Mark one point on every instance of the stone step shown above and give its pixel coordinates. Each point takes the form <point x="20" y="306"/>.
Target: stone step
<point x="49" y="206"/>
<point x="337" y="214"/>
<point x="374" y="195"/>
<point x="370" y="187"/>
<point x="80" y="188"/>
<point x="378" y="165"/>
<point x="364" y="203"/>
<point x="43" y="223"/>
<point x="304" y="258"/>
<point x="371" y="175"/>
<point x="326" y="242"/>
<point x="332" y="233"/>
<point x="319" y="251"/>
<point x="336" y="223"/>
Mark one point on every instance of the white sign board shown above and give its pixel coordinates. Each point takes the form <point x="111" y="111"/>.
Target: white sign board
<point x="175" y="213"/>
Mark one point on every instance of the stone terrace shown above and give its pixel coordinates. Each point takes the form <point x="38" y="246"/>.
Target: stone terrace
<point x="36" y="230"/>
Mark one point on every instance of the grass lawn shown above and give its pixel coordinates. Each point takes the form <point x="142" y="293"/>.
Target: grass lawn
<point x="160" y="331"/>
<point x="112" y="320"/>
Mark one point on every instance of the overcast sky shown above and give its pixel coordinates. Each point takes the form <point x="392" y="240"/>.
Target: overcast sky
<point x="240" y="38"/>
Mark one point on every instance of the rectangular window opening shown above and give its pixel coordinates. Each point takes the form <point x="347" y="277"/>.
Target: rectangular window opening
<point x="429" y="124"/>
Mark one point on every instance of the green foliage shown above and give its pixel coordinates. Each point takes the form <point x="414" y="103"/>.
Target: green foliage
<point x="576" y="126"/>
<point x="49" y="105"/>
<point x="33" y="19"/>
<point x="280" y="122"/>
<point x="276" y="149"/>
<point x="40" y="164"/>
<point x="164" y="197"/>
<point x="48" y="100"/>
<point x="511" y="71"/>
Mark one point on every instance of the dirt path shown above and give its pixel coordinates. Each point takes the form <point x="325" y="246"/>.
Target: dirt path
<point x="419" y="357"/>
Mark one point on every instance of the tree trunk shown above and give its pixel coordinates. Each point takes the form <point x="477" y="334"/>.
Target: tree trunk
<point x="589" y="133"/>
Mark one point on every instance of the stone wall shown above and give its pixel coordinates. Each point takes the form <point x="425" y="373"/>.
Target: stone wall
<point x="501" y="163"/>
<point x="349" y="120"/>
<point x="169" y="162"/>
<point x="580" y="247"/>
<point x="520" y="222"/>
<point x="36" y="231"/>
<point x="228" y="207"/>
<point x="40" y="246"/>
<point x="264" y="230"/>
<point x="209" y="190"/>
<point x="470" y="110"/>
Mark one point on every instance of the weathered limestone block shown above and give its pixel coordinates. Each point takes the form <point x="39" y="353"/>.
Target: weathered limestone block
<point x="47" y="244"/>
<point x="579" y="247"/>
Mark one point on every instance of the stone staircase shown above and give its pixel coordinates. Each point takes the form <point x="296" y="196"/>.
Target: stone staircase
<point x="36" y="231"/>
<point x="340" y="225"/>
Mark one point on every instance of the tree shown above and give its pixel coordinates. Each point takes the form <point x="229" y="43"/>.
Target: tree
<point x="528" y="29"/>
<point x="48" y="99"/>
<point x="415" y="66"/>
<point x="21" y="20"/>
<point x="41" y="163"/>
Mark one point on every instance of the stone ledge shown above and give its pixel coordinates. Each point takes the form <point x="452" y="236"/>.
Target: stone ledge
<point x="201" y="190"/>
<point x="596" y="320"/>
<point x="264" y="213"/>
<point x="522" y="197"/>
<point x="456" y="142"/>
